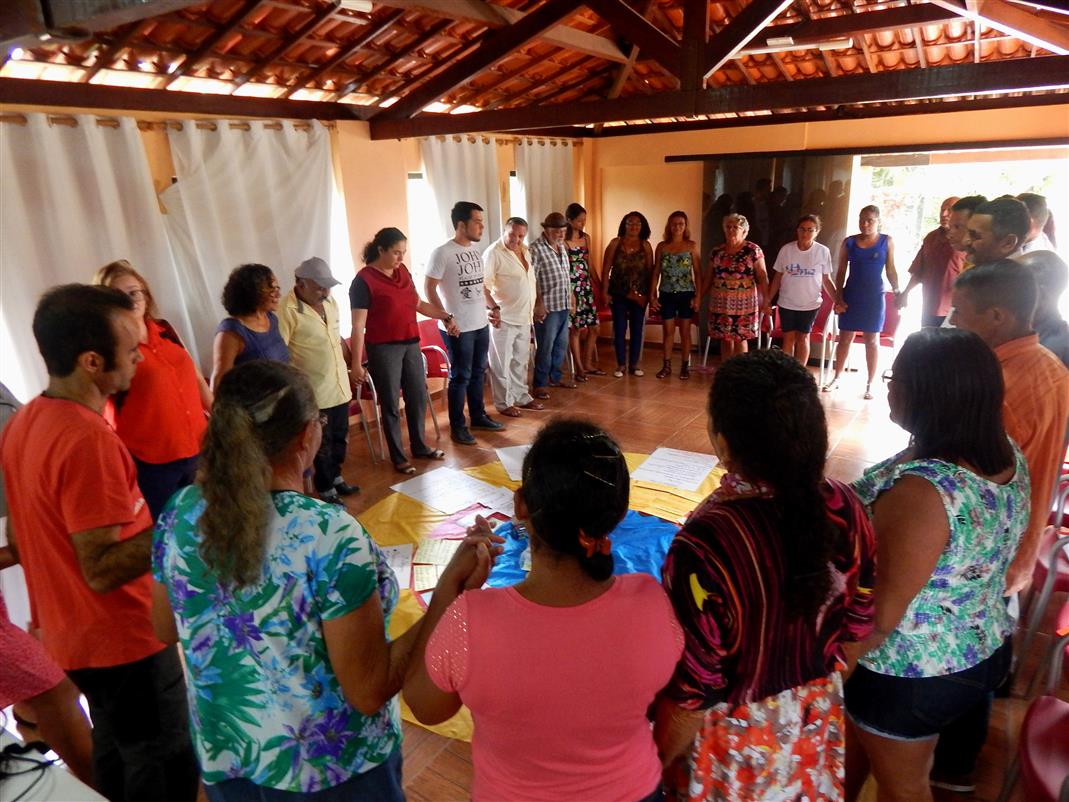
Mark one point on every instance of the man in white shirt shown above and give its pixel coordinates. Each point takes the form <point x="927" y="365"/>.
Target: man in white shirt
<point x="456" y="269"/>
<point x="510" y="287"/>
<point x="1038" y="215"/>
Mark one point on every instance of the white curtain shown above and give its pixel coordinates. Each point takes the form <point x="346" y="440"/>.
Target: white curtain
<point x="244" y="194"/>
<point x="545" y="172"/>
<point x="75" y="197"/>
<point x="464" y="171"/>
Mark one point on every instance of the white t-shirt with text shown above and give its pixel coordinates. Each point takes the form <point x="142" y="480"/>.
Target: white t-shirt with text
<point x="803" y="272"/>
<point x="459" y="268"/>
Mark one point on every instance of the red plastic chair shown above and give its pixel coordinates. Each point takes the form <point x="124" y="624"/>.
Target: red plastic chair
<point x="366" y="392"/>
<point x="435" y="361"/>
<point x="1042" y="761"/>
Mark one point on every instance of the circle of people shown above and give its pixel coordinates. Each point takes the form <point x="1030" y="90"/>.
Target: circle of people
<point x="800" y="623"/>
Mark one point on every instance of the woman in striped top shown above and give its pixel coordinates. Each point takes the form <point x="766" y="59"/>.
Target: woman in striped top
<point x="769" y="577"/>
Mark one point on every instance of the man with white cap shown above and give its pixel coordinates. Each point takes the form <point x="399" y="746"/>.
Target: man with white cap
<point x="308" y="322"/>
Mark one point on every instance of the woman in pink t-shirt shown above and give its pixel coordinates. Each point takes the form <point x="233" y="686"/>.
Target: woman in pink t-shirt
<point x="558" y="671"/>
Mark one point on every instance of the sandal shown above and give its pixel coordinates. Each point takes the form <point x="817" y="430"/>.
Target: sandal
<point x="666" y="370"/>
<point x="580" y="377"/>
<point x="830" y="386"/>
<point x="406" y="468"/>
<point x="868" y="393"/>
<point x="595" y="372"/>
<point x="541" y="394"/>
<point x="510" y="412"/>
<point x="684" y="371"/>
<point x="434" y="454"/>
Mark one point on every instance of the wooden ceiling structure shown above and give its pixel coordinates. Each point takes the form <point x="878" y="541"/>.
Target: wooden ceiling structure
<point x="566" y="67"/>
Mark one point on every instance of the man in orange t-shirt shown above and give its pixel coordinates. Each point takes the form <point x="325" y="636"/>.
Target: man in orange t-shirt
<point x="83" y="534"/>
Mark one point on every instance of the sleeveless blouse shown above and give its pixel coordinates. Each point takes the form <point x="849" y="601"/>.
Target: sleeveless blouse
<point x="629" y="272"/>
<point x="677" y="272"/>
<point x="258" y="344"/>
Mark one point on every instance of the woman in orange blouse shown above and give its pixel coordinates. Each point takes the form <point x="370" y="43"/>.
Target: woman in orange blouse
<point x="163" y="416"/>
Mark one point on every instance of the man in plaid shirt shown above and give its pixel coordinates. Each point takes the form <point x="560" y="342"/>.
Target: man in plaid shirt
<point x="549" y="258"/>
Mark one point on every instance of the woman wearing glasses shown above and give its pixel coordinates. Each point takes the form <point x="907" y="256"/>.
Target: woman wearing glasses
<point x="162" y="417"/>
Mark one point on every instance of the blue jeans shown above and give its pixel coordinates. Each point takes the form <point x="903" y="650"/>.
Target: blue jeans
<point x="551" y="337"/>
<point x="380" y="784"/>
<point x="467" y="369"/>
<point x="158" y="482"/>
<point x="627" y="314"/>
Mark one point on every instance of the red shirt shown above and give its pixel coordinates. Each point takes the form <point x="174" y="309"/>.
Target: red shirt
<point x="66" y="471"/>
<point x="161" y="419"/>
<point x="390" y="302"/>
<point x="937" y="264"/>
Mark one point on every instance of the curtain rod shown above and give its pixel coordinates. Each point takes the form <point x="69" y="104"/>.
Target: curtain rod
<point x="508" y="140"/>
<point x="161" y="125"/>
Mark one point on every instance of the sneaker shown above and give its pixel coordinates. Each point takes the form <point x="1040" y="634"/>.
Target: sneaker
<point x="487" y="423"/>
<point x="959" y="783"/>
<point x="344" y="488"/>
<point x="619" y="372"/>
<point x="331" y="497"/>
<point x="462" y="436"/>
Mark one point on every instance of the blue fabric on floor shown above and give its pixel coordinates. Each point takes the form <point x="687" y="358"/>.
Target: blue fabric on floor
<point x="639" y="545"/>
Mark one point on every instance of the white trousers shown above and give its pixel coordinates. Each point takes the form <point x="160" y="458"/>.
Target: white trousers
<point x="510" y="354"/>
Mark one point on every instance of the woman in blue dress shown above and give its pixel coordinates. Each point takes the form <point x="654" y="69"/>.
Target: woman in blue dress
<point x="859" y="299"/>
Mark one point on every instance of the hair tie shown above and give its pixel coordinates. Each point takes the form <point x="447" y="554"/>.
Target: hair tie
<point x="602" y="545"/>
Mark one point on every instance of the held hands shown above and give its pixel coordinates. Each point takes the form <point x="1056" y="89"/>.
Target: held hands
<point x="655" y="304"/>
<point x="840" y="307"/>
<point x="472" y="562"/>
<point x="494" y="316"/>
<point x="539" y="312"/>
<point x="451" y="328"/>
<point x="357" y="376"/>
<point x="900" y="300"/>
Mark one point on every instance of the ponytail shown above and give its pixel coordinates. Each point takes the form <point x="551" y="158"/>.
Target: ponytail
<point x="385" y="238"/>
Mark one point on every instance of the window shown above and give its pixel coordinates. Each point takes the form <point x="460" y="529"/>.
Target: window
<point x="517" y="197"/>
<point x="421" y="237"/>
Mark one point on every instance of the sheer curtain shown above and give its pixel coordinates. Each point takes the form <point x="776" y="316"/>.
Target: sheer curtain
<point x="464" y="171"/>
<point x="545" y="171"/>
<point x="249" y="193"/>
<point x="75" y="198"/>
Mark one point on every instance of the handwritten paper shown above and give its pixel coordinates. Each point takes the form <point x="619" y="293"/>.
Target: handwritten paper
<point x="512" y="460"/>
<point x="425" y="577"/>
<point x="669" y="466"/>
<point x="448" y="490"/>
<point x="436" y="552"/>
<point x="399" y="558"/>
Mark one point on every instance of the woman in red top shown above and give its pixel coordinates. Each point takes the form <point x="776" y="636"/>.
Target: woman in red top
<point x="384" y="303"/>
<point x="163" y="415"/>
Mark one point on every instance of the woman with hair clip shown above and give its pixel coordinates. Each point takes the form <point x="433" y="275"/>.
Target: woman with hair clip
<point x="162" y="417"/>
<point x="675" y="270"/>
<point x="281" y="603"/>
<point x="770" y="577"/>
<point x="558" y="671"/>
<point x="583" y="336"/>
<point x="384" y="302"/>
<point x="949" y="512"/>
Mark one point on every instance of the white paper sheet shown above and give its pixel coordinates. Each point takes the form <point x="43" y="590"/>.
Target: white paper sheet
<point x="436" y="552"/>
<point x="512" y="460"/>
<point x="448" y="490"/>
<point x="425" y="577"/>
<point x="399" y="558"/>
<point x="670" y="466"/>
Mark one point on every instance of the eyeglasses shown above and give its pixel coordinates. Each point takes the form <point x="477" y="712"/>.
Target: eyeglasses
<point x="135" y="294"/>
<point x="888" y="376"/>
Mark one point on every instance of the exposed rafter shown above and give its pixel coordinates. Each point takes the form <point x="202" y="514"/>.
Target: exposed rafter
<point x="392" y="60"/>
<point x="1016" y="21"/>
<point x="473" y="93"/>
<point x="213" y="39"/>
<point x="738" y="33"/>
<point x="935" y="82"/>
<point x="695" y="41"/>
<point x="107" y="56"/>
<point x="635" y="28"/>
<point x="303" y="31"/>
<point x="499" y="16"/>
<point x="549" y="79"/>
<point x="373" y="30"/>
<point x="407" y="86"/>
<point x="490" y="50"/>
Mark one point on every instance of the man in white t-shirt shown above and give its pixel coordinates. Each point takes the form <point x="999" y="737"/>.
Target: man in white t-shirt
<point x="456" y="269"/>
<point x="1038" y="215"/>
<point x="801" y="269"/>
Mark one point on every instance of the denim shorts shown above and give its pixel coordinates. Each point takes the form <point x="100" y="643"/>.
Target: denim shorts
<point x="676" y="304"/>
<point x="797" y="319"/>
<point x="916" y="708"/>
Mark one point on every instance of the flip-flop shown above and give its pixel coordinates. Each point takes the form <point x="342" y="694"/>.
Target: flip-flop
<point x="406" y="468"/>
<point x="511" y="412"/>
<point x="541" y="394"/>
<point x="595" y="372"/>
<point x="532" y="405"/>
<point x="435" y="454"/>
<point x="564" y="385"/>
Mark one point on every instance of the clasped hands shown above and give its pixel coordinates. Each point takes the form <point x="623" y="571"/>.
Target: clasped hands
<point x="471" y="563"/>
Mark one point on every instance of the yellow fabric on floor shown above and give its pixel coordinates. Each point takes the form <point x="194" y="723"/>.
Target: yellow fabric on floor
<point x="398" y="519"/>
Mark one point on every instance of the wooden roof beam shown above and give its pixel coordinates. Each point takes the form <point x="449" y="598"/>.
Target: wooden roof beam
<point x="635" y="28"/>
<point x="392" y="60"/>
<point x="1015" y="21"/>
<point x="549" y="79"/>
<point x="695" y="41"/>
<point x="490" y="50"/>
<point x="373" y="30"/>
<point x="303" y="31"/>
<point x="934" y="82"/>
<point x="499" y="16"/>
<point x="739" y="32"/>
<point x="471" y="93"/>
<point x="107" y="57"/>
<point x="213" y="39"/>
<point x="847" y="26"/>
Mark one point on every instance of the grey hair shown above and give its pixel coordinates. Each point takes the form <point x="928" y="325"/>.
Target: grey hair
<point x="737" y="218"/>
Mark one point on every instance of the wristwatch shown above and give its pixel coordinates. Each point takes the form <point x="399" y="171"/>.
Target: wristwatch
<point x="447" y="318"/>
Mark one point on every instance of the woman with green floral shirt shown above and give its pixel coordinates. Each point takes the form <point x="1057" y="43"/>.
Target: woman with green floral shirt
<point x="281" y="603"/>
<point x="948" y="514"/>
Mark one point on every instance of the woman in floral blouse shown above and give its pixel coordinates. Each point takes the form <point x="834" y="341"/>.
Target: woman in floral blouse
<point x="770" y="577"/>
<point x="948" y="513"/>
<point x="281" y="604"/>
<point x="738" y="288"/>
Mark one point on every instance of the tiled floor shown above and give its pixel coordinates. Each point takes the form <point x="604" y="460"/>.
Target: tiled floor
<point x="643" y="414"/>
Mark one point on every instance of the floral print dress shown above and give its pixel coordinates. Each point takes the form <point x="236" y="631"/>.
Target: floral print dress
<point x="586" y="312"/>
<point x="958" y="619"/>
<point x="264" y="701"/>
<point x="733" y="297"/>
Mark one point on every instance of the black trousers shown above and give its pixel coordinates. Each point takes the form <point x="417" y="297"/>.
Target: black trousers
<point x="331" y="454"/>
<point x="141" y="746"/>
